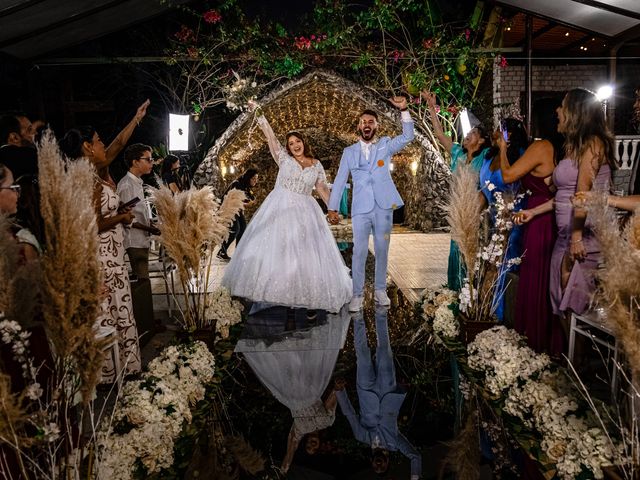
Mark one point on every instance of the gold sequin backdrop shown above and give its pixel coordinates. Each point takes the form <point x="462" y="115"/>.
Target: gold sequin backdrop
<point x="325" y="108"/>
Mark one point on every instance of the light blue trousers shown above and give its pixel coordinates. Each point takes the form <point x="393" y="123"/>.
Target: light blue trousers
<point x="379" y="222"/>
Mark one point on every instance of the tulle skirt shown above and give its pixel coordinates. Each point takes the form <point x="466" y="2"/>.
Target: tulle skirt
<point x="288" y="256"/>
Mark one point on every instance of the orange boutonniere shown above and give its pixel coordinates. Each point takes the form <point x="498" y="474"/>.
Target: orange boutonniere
<point x="381" y="163"/>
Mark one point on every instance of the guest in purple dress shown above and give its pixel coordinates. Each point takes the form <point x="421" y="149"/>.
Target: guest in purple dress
<point x="590" y="155"/>
<point x="533" y="317"/>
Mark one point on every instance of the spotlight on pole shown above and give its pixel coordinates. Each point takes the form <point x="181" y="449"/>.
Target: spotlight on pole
<point x="178" y="132"/>
<point x="465" y="122"/>
<point x="604" y="92"/>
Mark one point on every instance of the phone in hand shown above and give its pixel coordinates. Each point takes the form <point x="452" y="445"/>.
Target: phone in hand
<point x="503" y="130"/>
<point x="130" y="204"/>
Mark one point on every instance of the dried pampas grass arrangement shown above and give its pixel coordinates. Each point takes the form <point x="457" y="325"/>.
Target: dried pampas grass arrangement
<point x="71" y="275"/>
<point x="619" y="280"/>
<point x="192" y="224"/>
<point x="464" y="215"/>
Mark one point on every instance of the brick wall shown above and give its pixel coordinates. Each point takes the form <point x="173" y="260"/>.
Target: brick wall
<point x="509" y="82"/>
<point x="509" y="85"/>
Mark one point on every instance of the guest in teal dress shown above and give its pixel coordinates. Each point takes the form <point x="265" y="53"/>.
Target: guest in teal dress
<point x="490" y="174"/>
<point x="472" y="152"/>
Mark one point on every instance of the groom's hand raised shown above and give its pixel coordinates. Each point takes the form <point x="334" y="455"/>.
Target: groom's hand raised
<point x="399" y="102"/>
<point x="334" y="218"/>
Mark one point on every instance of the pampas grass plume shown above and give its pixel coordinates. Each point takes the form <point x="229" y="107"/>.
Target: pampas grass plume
<point x="70" y="267"/>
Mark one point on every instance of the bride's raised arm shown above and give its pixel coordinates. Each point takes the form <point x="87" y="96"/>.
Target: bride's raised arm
<point x="274" y="144"/>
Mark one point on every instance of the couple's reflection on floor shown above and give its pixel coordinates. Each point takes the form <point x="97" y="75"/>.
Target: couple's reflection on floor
<point x="294" y="355"/>
<point x="379" y="397"/>
<point x="296" y="365"/>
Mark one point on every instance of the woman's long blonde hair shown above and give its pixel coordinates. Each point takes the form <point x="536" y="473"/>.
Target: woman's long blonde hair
<point x="585" y="122"/>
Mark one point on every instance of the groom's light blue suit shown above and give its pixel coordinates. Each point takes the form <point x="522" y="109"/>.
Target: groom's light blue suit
<point x="374" y="198"/>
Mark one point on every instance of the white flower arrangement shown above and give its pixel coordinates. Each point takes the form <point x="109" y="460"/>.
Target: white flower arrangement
<point x="152" y="411"/>
<point x="437" y="304"/>
<point x="222" y="311"/>
<point x="543" y="400"/>
<point x="479" y="294"/>
<point x="445" y="323"/>
<point x="239" y="92"/>
<point x="342" y="232"/>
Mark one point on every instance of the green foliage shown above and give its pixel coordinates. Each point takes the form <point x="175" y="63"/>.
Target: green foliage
<point x="391" y="47"/>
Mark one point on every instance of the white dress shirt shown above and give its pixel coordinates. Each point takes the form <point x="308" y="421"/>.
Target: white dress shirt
<point x="128" y="188"/>
<point x="366" y="147"/>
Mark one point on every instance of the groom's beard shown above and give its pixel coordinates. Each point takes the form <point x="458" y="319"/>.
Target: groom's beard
<point x="367" y="134"/>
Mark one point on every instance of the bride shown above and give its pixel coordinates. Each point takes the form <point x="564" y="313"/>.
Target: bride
<point x="288" y="255"/>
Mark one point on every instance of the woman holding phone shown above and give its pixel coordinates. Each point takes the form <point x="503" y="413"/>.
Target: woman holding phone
<point x="512" y="132"/>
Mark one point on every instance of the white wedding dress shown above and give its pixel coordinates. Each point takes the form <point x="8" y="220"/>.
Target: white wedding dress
<point x="296" y="368"/>
<point x="287" y="255"/>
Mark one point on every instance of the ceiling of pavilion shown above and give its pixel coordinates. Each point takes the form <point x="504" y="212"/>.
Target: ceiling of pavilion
<point x="32" y="28"/>
<point x="570" y="27"/>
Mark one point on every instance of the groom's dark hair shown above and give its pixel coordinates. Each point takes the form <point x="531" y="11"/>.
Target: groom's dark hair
<point x="369" y="112"/>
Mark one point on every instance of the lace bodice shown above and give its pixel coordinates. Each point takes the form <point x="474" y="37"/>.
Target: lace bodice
<point x="293" y="177"/>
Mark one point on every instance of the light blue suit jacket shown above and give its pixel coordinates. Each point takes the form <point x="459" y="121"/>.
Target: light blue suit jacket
<point x="372" y="183"/>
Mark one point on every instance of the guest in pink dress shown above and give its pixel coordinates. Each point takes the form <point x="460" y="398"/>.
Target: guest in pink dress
<point x="589" y="159"/>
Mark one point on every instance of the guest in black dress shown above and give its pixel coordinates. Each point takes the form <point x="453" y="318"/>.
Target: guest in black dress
<point x="173" y="175"/>
<point x="244" y="182"/>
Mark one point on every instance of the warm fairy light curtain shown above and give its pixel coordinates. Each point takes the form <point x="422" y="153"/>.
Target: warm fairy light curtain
<point x="192" y="224"/>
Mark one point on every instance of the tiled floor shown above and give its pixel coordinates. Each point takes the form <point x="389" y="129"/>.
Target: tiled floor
<point x="416" y="260"/>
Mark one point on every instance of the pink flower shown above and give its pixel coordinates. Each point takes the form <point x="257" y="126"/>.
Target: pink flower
<point x="467" y="34"/>
<point x="313" y="37"/>
<point x="503" y="62"/>
<point x="185" y="34"/>
<point x="427" y="43"/>
<point x="212" y="16"/>
<point x="302" y="43"/>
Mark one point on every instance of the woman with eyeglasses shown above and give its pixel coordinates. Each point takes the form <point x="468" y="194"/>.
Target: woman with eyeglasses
<point x="9" y="195"/>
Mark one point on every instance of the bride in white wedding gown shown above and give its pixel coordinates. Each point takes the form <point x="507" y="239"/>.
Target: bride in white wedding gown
<point x="296" y="367"/>
<point x="287" y="255"/>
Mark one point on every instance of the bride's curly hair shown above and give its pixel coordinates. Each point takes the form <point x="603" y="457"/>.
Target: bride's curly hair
<point x="308" y="152"/>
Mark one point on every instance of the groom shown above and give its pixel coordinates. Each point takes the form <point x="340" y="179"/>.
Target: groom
<point x="374" y="197"/>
